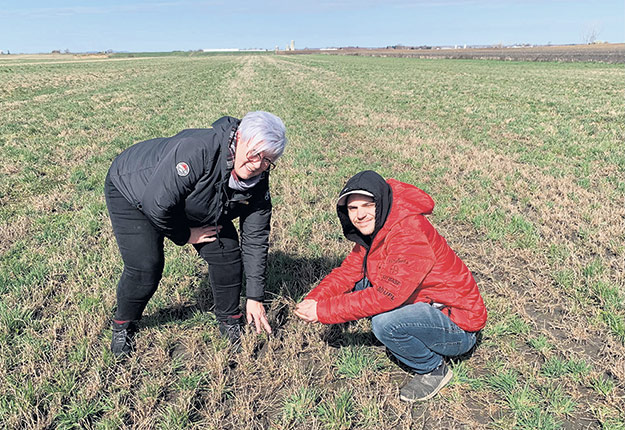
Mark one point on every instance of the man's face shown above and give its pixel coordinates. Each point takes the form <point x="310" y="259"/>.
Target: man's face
<point x="361" y="212"/>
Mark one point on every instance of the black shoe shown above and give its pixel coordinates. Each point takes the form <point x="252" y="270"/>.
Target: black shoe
<point x="123" y="339"/>
<point x="424" y="387"/>
<point x="232" y="332"/>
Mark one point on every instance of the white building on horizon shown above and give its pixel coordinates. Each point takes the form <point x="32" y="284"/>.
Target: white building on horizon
<point x="221" y="50"/>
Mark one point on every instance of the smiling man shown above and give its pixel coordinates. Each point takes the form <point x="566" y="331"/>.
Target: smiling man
<point x="422" y="299"/>
<point x="188" y="188"/>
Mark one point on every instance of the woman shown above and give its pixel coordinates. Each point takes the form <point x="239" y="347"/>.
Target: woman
<point x="189" y="188"/>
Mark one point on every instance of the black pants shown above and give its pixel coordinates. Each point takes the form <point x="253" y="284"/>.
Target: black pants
<point x="141" y="248"/>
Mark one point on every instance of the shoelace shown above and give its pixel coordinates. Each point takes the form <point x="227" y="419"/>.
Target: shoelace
<point x="120" y="336"/>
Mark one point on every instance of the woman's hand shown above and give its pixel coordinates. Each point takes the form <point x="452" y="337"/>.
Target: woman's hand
<point x="307" y="310"/>
<point x="256" y="315"/>
<point x="204" y="234"/>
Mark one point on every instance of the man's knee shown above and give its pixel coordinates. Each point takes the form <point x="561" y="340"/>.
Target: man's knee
<point x="390" y="323"/>
<point x="382" y="325"/>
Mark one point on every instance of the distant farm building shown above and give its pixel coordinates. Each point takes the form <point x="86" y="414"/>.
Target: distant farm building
<point x="234" y="50"/>
<point x="221" y="50"/>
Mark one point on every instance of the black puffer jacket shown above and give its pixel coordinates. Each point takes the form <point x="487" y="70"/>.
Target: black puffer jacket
<point x="181" y="181"/>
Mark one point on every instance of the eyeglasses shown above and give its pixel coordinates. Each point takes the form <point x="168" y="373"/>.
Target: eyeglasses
<point x="255" y="157"/>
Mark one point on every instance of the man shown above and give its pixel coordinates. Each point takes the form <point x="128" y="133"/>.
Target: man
<point x="188" y="188"/>
<point x="423" y="300"/>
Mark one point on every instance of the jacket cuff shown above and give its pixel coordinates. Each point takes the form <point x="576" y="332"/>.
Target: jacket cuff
<point x="325" y="316"/>
<point x="181" y="238"/>
<point x="254" y="288"/>
<point x="322" y="313"/>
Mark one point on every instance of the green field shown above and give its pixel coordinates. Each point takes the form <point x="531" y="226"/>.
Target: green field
<point x="525" y="161"/>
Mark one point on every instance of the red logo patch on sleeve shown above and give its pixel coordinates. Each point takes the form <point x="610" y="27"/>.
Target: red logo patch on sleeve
<point x="182" y="168"/>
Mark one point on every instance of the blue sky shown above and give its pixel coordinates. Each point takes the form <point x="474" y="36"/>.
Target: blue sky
<point x="166" y="25"/>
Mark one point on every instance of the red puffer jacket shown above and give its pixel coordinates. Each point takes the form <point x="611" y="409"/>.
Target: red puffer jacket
<point x="408" y="262"/>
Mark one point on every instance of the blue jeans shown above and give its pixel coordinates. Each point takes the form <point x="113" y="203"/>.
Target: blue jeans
<point x="419" y="335"/>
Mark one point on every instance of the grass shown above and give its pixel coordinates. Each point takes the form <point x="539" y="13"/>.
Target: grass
<point x="525" y="162"/>
<point x="336" y="413"/>
<point x="352" y="362"/>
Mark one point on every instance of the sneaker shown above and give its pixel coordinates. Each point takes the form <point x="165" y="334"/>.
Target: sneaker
<point x="424" y="387"/>
<point x="123" y="339"/>
<point x="232" y="332"/>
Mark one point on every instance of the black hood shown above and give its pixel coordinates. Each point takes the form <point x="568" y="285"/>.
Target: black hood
<point x="374" y="184"/>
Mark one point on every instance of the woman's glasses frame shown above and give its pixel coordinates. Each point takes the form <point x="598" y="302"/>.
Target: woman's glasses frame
<point x="255" y="157"/>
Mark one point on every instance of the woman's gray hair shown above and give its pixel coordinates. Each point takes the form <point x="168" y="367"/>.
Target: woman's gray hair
<point x="266" y="133"/>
